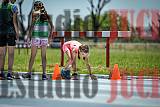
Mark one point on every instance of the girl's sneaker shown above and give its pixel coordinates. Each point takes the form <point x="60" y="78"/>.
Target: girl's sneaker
<point x="16" y="75"/>
<point x="75" y="76"/>
<point x="2" y="76"/>
<point x="27" y="75"/>
<point x="65" y="74"/>
<point x="44" y="77"/>
<point x="93" y="77"/>
<point x="9" y="76"/>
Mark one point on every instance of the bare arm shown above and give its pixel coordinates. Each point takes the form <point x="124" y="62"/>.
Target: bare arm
<point x="93" y="77"/>
<point x="88" y="66"/>
<point x="16" y="25"/>
<point x="51" y="27"/>
<point x="30" y="28"/>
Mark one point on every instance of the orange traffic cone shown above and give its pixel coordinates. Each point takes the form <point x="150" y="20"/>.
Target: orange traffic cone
<point x="56" y="73"/>
<point x="115" y="73"/>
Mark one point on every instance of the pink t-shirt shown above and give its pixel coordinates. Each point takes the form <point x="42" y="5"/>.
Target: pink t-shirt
<point x="70" y="45"/>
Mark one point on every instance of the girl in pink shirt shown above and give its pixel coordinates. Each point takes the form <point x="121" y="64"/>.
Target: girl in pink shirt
<point x="72" y="50"/>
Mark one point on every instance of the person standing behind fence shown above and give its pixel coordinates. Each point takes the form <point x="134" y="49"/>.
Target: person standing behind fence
<point x="40" y="36"/>
<point x="9" y="32"/>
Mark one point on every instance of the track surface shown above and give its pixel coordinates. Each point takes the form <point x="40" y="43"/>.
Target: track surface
<point x="80" y="93"/>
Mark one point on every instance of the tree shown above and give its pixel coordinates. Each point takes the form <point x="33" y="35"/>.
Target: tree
<point x="159" y="24"/>
<point x="113" y="19"/>
<point x="155" y="28"/>
<point x="78" y="24"/>
<point x="87" y="24"/>
<point x="96" y="12"/>
<point x="22" y="18"/>
<point x="105" y="26"/>
<point x="30" y="16"/>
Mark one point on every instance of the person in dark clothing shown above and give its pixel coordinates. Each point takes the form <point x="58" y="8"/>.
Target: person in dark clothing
<point x="9" y="33"/>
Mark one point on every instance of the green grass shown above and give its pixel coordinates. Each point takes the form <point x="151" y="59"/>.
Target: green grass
<point x="130" y="60"/>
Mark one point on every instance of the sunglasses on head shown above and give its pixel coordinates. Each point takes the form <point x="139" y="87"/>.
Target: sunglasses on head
<point x="38" y="4"/>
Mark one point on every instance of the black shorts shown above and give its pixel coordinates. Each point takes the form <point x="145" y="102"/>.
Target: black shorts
<point x="7" y="35"/>
<point x="7" y="40"/>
